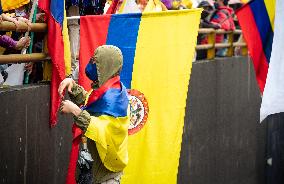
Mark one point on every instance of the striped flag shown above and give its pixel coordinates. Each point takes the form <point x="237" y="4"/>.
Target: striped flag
<point x="257" y="22"/>
<point x="273" y="95"/>
<point x="58" y="48"/>
<point x="158" y="50"/>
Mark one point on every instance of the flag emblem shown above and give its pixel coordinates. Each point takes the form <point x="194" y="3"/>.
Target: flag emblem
<point x="139" y="111"/>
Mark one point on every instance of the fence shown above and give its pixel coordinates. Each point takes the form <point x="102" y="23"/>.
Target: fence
<point x="212" y="45"/>
<point x="23" y="58"/>
<point x="42" y="27"/>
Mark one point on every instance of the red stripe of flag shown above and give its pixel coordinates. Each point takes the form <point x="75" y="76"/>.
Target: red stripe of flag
<point x="56" y="51"/>
<point x="255" y="47"/>
<point x="88" y="44"/>
<point x="92" y="26"/>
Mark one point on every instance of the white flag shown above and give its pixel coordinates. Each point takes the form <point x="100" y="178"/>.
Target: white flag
<point x="273" y="95"/>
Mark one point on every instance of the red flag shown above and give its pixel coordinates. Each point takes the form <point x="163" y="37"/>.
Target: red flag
<point x="54" y="10"/>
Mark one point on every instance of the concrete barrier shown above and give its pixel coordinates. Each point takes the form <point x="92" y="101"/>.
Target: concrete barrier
<point x="223" y="143"/>
<point x="31" y="151"/>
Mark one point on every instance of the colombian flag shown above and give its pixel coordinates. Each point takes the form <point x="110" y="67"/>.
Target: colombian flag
<point x="158" y="49"/>
<point x="58" y="48"/>
<point x="257" y="22"/>
<point x="13" y="4"/>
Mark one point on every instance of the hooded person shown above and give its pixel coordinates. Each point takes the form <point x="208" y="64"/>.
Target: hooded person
<point x="103" y="116"/>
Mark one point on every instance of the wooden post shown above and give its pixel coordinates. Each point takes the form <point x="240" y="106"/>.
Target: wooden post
<point x="230" y="51"/>
<point x="46" y="65"/>
<point x="23" y="58"/>
<point x="244" y="51"/>
<point x="35" y="27"/>
<point x="211" y="40"/>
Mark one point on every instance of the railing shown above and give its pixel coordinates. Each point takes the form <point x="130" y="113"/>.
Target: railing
<point x="42" y="27"/>
<point x="23" y="58"/>
<point x="212" y="45"/>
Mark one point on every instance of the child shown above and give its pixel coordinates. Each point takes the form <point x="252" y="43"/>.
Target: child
<point x="103" y="119"/>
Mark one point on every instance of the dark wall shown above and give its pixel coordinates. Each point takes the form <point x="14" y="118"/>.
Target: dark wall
<point x="32" y="152"/>
<point x="223" y="142"/>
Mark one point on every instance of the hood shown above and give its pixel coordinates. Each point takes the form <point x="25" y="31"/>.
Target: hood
<point x="109" y="61"/>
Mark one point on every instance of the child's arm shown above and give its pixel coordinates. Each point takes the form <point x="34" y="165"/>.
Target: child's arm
<point x="8" y="42"/>
<point x="10" y="19"/>
<point x="77" y="93"/>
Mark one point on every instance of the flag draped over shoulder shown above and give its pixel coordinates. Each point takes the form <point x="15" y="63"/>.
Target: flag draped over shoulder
<point x="273" y="95"/>
<point x="13" y="4"/>
<point x="257" y="22"/>
<point x="58" y="49"/>
<point x="158" y="49"/>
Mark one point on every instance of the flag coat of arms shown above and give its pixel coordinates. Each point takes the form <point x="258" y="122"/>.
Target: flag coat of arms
<point x="158" y="49"/>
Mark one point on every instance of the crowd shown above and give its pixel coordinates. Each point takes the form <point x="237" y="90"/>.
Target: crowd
<point x="14" y="42"/>
<point x="217" y="14"/>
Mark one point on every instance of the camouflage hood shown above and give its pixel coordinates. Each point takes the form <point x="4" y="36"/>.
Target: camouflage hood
<point x="109" y="61"/>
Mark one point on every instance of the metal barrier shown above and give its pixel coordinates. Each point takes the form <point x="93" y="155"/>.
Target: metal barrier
<point x="42" y="27"/>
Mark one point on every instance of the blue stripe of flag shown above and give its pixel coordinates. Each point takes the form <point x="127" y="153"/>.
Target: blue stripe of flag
<point x="123" y="32"/>
<point x="57" y="10"/>
<point x="264" y="26"/>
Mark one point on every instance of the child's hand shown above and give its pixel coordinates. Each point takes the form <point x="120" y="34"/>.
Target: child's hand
<point x="66" y="83"/>
<point x="24" y="42"/>
<point x="40" y="17"/>
<point x="69" y="107"/>
<point x="16" y="22"/>
<point x="28" y="22"/>
<point x="29" y="67"/>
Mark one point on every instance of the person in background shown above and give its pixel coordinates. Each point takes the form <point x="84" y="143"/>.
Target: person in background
<point x="79" y="8"/>
<point x="206" y="15"/>
<point x="9" y="43"/>
<point x="223" y="17"/>
<point x="181" y="4"/>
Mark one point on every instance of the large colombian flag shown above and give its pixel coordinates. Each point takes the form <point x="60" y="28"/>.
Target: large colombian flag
<point x="158" y="49"/>
<point x="257" y="22"/>
<point x="58" y="49"/>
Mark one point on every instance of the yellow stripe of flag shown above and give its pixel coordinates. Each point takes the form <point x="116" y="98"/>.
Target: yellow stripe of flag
<point x="67" y="52"/>
<point x="162" y="66"/>
<point x="270" y="7"/>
